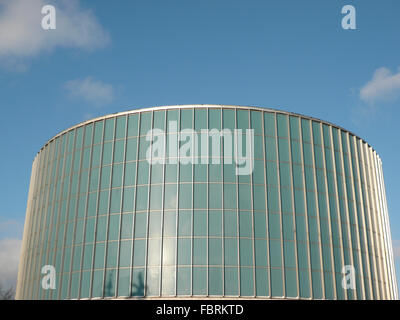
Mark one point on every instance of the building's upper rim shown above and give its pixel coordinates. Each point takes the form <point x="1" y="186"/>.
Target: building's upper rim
<point x="191" y="106"/>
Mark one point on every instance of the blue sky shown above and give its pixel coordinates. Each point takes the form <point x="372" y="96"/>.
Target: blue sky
<point x="111" y="56"/>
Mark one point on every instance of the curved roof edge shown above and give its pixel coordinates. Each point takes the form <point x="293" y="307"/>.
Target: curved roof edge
<point x="190" y="106"/>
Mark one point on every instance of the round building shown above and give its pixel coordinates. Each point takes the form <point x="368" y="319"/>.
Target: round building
<point x="203" y="201"/>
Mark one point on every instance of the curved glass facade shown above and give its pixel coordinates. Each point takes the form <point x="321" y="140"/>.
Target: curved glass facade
<point x="114" y="224"/>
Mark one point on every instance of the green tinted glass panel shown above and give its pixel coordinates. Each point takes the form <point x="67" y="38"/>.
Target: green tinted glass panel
<point x="132" y="125"/>
<point x="120" y="127"/>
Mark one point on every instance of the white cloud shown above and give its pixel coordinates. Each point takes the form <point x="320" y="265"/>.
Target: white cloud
<point x="9" y="258"/>
<point x="22" y="36"/>
<point x="384" y="85"/>
<point x="93" y="91"/>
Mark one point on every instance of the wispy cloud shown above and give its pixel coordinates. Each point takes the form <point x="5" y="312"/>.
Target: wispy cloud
<point x="383" y="86"/>
<point x="11" y="228"/>
<point x="21" y="34"/>
<point x="9" y="258"/>
<point x="92" y="91"/>
<point x="396" y="249"/>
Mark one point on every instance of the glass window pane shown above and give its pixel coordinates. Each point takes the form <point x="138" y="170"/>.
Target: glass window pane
<point x="107" y="153"/>
<point x="200" y="251"/>
<point x="144" y="147"/>
<point x="127" y="226"/>
<point x="131" y="149"/>
<point x="199" y="281"/>
<point x="89" y="232"/>
<point x="230" y="200"/>
<point x="184" y="251"/>
<point x="261" y="249"/>
<point x="294" y="127"/>
<point x="230" y="223"/>
<point x="117" y="175"/>
<point x="97" y="286"/>
<point x="256" y="122"/>
<point x="215" y="281"/>
<point x="270" y="149"/>
<point x="156" y="173"/>
<point x="85" y="285"/>
<point x="228" y="116"/>
<point x="262" y="282"/>
<point x="186" y="119"/>
<point x="128" y="200"/>
<point x="112" y="254"/>
<point x="170" y="172"/>
<point x="169" y="252"/>
<point x="215" y="195"/>
<point x="170" y="196"/>
<point x="130" y="174"/>
<point x="155" y="197"/>
<point x="168" y="283"/>
<point x="99" y="256"/>
<point x="305" y="128"/>
<point x="98" y="132"/>
<point x="140" y="225"/>
<point x="139" y="252"/>
<point x="215" y="223"/>
<point x="260" y="227"/>
<point x="154" y="224"/>
<point x="244" y="197"/>
<point x="170" y="223"/>
<point x="246" y="252"/>
<point x="185" y="172"/>
<point x="121" y="127"/>
<point x="109" y="129"/>
<point x="215" y="173"/>
<point x="185" y="223"/>
<point x="123" y="283"/>
<point x="242" y="119"/>
<point x="183" y="285"/>
<point x="215" y="251"/>
<point x="230" y="252"/>
<point x="185" y="196"/>
<point x="245" y="224"/>
<point x="145" y="123"/>
<point x="276" y="282"/>
<point x="113" y="227"/>
<point x="143" y="172"/>
<point x="133" y="125"/>
<point x="259" y="197"/>
<point x="138" y="282"/>
<point x="154" y="252"/>
<point x="200" y="173"/>
<point x="214" y="118"/>
<point x="231" y="281"/>
<point x="246" y="282"/>
<point x="282" y="120"/>
<point x="269" y="124"/>
<point x="159" y="119"/>
<point x="103" y="202"/>
<point x="79" y="138"/>
<point x="200" y="223"/>
<point x="173" y="116"/>
<point x="200" y="119"/>
<point x="119" y="150"/>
